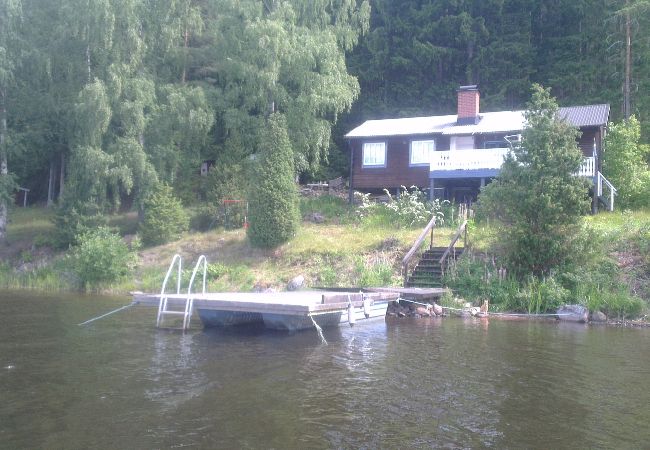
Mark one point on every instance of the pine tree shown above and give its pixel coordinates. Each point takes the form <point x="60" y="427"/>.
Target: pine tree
<point x="273" y="199"/>
<point x="537" y="196"/>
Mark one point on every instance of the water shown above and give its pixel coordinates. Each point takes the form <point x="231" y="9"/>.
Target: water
<point x="407" y="383"/>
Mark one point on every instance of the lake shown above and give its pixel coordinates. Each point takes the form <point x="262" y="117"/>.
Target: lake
<point x="402" y="383"/>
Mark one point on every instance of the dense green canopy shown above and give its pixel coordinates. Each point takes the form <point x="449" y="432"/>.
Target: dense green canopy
<point x="100" y="99"/>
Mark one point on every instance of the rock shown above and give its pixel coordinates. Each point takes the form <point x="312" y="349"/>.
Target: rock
<point x="422" y="311"/>
<point x="437" y="309"/>
<point x="598" y="316"/>
<point x="296" y="283"/>
<point x="269" y="290"/>
<point x="401" y="314"/>
<point x="573" y="313"/>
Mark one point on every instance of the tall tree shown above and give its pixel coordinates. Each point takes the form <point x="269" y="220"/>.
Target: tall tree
<point x="273" y="200"/>
<point x="537" y="196"/>
<point x="625" y="163"/>
<point x="288" y="57"/>
<point x="10" y="16"/>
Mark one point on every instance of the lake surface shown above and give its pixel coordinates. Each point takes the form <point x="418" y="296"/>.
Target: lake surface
<point x="405" y="383"/>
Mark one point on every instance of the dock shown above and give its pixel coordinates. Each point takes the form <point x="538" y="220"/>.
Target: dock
<point x="290" y="303"/>
<point x="423" y="295"/>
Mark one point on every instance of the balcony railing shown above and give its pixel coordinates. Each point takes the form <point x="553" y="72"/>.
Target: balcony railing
<point x="488" y="158"/>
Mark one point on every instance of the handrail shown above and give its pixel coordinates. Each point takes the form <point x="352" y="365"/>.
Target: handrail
<point x="163" y="298"/>
<point x="612" y="190"/>
<point x="445" y="255"/>
<point x="416" y="246"/>
<point x="190" y="300"/>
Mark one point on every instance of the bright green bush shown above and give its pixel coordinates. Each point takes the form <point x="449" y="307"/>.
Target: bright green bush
<point x="273" y="198"/>
<point x="100" y="257"/>
<point x="164" y="217"/>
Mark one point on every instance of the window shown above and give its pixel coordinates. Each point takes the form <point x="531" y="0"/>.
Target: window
<point x="374" y="154"/>
<point x="462" y="143"/>
<point x="421" y="152"/>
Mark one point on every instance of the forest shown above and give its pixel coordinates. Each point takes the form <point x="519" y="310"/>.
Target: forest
<point x="100" y="100"/>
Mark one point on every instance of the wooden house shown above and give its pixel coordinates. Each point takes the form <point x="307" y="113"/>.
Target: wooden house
<point x="453" y="156"/>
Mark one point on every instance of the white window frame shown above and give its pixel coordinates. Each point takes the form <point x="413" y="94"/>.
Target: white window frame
<point x="462" y="142"/>
<point x="419" y="155"/>
<point x="373" y="154"/>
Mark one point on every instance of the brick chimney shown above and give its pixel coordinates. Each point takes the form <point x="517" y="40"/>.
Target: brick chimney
<point x="468" y="105"/>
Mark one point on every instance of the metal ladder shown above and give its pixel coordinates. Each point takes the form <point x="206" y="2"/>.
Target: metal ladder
<point x="186" y="312"/>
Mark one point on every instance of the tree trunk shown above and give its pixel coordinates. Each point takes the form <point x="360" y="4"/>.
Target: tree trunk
<point x="50" y="185"/>
<point x="62" y="177"/>
<point x="627" y="103"/>
<point x="4" y="172"/>
<point x="185" y="43"/>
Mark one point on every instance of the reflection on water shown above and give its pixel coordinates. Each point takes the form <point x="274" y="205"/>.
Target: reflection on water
<point x="408" y="383"/>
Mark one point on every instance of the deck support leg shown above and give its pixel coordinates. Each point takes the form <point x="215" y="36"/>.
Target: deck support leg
<point x="432" y="185"/>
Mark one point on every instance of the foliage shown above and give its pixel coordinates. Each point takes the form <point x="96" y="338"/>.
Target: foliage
<point x="100" y="257"/>
<point x="72" y="220"/>
<point x="536" y="197"/>
<point x="409" y="209"/>
<point x="373" y="273"/>
<point x="332" y="208"/>
<point x="164" y="217"/>
<point x="625" y="163"/>
<point x="273" y="199"/>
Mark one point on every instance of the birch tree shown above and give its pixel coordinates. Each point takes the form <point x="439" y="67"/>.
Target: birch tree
<point x="10" y="15"/>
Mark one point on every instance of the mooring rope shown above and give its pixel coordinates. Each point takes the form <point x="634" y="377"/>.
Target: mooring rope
<point x="107" y="314"/>
<point x="319" y="330"/>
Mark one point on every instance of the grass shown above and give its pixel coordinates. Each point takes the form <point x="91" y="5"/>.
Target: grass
<point x="25" y="224"/>
<point x="341" y="252"/>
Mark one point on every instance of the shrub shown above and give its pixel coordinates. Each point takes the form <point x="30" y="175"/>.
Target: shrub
<point x="164" y="217"/>
<point x="273" y="198"/>
<point x="72" y="221"/>
<point x="410" y="209"/>
<point x="101" y="256"/>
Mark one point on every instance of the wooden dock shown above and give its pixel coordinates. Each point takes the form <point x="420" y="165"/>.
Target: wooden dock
<point x="290" y="303"/>
<point x="418" y="294"/>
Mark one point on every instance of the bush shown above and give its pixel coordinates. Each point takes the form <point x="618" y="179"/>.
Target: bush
<point x="164" y="217"/>
<point x="101" y="256"/>
<point x="273" y="199"/>
<point x="72" y="221"/>
<point x="410" y="209"/>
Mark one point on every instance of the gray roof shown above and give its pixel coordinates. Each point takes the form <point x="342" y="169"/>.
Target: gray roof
<point x="491" y="122"/>
<point x="586" y="116"/>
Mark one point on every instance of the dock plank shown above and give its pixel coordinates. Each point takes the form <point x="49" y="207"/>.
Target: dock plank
<point x="293" y="303"/>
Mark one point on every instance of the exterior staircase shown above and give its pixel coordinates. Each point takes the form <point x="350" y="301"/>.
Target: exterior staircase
<point x="428" y="272"/>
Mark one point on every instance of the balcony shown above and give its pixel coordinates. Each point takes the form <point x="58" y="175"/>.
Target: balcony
<point x="479" y="163"/>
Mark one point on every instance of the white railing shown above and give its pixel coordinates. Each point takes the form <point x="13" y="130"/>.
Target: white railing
<point x="610" y="187"/>
<point x="488" y="158"/>
<point x="588" y="167"/>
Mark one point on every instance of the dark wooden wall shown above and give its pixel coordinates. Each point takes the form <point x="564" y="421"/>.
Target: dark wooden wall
<point x="397" y="171"/>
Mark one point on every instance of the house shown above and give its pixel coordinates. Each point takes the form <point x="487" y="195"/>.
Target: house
<point x="453" y="156"/>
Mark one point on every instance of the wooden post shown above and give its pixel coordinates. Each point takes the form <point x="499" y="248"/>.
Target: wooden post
<point x="351" y="191"/>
